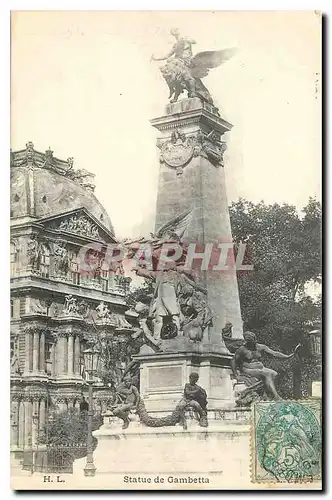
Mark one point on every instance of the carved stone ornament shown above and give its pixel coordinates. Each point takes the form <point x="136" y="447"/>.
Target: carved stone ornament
<point x="30" y="153"/>
<point x="84" y="178"/>
<point x="60" y="258"/>
<point x="32" y="159"/>
<point x="38" y="306"/>
<point x="80" y="225"/>
<point x="33" y="251"/>
<point x="17" y="395"/>
<point x="70" y="308"/>
<point x="14" y="363"/>
<point x="209" y="146"/>
<point x="103" y="311"/>
<point x="83" y="308"/>
<point x="177" y="151"/>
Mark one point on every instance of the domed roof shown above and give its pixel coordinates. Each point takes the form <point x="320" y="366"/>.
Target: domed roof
<point x="42" y="186"/>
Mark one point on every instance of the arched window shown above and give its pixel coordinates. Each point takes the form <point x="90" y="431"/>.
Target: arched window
<point x="44" y="260"/>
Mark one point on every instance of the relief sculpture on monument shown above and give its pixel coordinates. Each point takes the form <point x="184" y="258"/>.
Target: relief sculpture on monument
<point x="165" y="308"/>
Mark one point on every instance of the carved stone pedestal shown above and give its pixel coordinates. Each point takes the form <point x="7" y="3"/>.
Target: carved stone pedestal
<point x="164" y="375"/>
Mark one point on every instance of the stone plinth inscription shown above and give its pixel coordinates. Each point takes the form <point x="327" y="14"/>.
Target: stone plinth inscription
<point x="165" y="377"/>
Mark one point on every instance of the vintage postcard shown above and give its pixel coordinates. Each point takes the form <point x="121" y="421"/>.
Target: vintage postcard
<point x="165" y="250"/>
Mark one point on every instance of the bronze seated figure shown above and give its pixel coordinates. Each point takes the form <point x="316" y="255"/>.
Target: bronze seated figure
<point x="129" y="400"/>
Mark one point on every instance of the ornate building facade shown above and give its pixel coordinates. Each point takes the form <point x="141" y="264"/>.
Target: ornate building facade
<point x="59" y="294"/>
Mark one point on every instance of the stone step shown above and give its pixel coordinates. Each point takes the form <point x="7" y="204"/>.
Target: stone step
<point x="167" y="450"/>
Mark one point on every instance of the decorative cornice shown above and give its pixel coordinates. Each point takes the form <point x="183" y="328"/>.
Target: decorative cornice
<point x="17" y="395"/>
<point x="29" y="394"/>
<point x="79" y="225"/>
<point x="32" y="159"/>
<point x="31" y="329"/>
<point x="190" y="118"/>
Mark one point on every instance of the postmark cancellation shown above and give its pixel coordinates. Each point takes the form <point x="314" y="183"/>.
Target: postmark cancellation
<point x="286" y="441"/>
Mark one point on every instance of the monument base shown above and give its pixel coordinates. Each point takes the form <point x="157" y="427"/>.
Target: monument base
<point x="164" y="375"/>
<point x="216" y="456"/>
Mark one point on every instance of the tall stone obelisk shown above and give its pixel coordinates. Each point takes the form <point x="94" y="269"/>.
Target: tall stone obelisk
<point x="192" y="178"/>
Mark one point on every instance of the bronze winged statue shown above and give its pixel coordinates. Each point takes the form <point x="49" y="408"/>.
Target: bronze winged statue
<point x="183" y="71"/>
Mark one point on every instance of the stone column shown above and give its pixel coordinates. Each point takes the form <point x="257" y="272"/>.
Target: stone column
<point x="14" y="410"/>
<point x="53" y="354"/>
<point x="65" y="354"/>
<point x="35" y="422"/>
<point x="77" y="356"/>
<point x="21" y="424"/>
<point x="27" y="424"/>
<point x="42" y="353"/>
<point x="60" y="355"/>
<point x="70" y="358"/>
<point x="42" y="414"/>
<point x="35" y="355"/>
<point x="28" y="349"/>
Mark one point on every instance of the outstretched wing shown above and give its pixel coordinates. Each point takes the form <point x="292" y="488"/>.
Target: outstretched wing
<point x="203" y="61"/>
<point x="177" y="225"/>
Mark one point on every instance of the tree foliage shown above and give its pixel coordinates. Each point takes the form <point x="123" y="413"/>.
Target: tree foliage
<point x="142" y="293"/>
<point x="68" y="428"/>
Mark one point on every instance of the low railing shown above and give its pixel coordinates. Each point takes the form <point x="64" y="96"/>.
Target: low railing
<point x="59" y="459"/>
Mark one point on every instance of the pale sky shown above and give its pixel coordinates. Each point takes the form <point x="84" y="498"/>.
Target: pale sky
<point x="83" y="84"/>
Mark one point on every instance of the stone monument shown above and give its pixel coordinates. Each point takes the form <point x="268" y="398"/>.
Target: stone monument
<point x="190" y="309"/>
<point x="192" y="181"/>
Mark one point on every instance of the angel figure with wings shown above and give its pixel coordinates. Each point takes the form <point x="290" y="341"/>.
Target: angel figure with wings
<point x="183" y="71"/>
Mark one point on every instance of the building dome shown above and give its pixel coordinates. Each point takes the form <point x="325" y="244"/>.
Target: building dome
<point x="42" y="186"/>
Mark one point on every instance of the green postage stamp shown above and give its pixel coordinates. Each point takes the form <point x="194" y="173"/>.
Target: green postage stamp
<point x="286" y="441"/>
